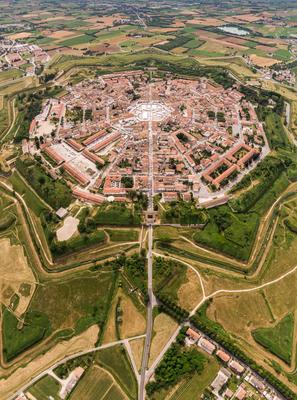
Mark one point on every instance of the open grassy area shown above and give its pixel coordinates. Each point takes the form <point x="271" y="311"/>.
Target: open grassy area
<point x="45" y="388"/>
<point x="117" y="363"/>
<point x="190" y="291"/>
<point x="163" y="328"/>
<point x="16" y="339"/>
<point x="84" y="301"/>
<point x="10" y="74"/>
<point x="116" y="214"/>
<point x="278" y="339"/>
<point x="122" y="235"/>
<point x="229" y="233"/>
<point x="168" y="277"/>
<point x="15" y="264"/>
<point x="31" y="199"/>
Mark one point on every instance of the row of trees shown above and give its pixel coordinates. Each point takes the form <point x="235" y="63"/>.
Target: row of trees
<point x="168" y="306"/>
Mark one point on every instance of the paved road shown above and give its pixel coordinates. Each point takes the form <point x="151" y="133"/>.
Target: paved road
<point x="151" y="297"/>
<point x="149" y="326"/>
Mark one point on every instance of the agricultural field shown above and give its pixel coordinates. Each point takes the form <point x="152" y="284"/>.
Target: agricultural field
<point x="116" y="362"/>
<point x="97" y="383"/>
<point x="44" y="388"/>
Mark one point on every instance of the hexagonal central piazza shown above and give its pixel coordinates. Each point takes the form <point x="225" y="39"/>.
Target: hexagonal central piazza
<point x="151" y="111"/>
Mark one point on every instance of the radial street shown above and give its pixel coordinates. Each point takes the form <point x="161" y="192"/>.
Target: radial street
<point x="151" y="297"/>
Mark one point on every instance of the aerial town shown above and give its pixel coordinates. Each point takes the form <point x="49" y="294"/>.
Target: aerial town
<point x="18" y="55"/>
<point x="205" y="138"/>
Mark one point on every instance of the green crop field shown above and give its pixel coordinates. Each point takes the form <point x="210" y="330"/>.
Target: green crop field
<point x="278" y="339"/>
<point x="116" y="362"/>
<point x="77" y="40"/>
<point x="95" y="384"/>
<point x="45" y="388"/>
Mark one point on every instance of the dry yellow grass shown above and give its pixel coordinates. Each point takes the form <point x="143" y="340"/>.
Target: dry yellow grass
<point x="164" y="326"/>
<point x="179" y="50"/>
<point x="190" y="292"/>
<point x="62" y="34"/>
<point x="236" y="68"/>
<point x="110" y="330"/>
<point x="240" y="313"/>
<point x="286" y="92"/>
<point x="137" y="349"/>
<point x="24" y="374"/>
<point x="282" y="297"/>
<point x="206" y="21"/>
<point x="21" y="35"/>
<point x="263" y="61"/>
<point x="14" y="270"/>
<point x="134" y="322"/>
